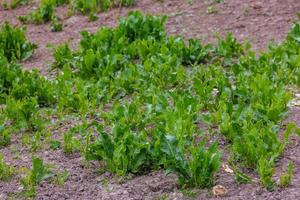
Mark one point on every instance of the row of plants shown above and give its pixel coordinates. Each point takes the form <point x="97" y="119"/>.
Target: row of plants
<point x="13" y="3"/>
<point x="91" y="8"/>
<point x="145" y="95"/>
<point x="46" y="10"/>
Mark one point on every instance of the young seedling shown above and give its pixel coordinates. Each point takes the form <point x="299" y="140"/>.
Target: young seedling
<point x="33" y="177"/>
<point x="61" y="178"/>
<point x="6" y="171"/>
<point x="266" y="172"/>
<point x="5" y="136"/>
<point x="286" y="178"/>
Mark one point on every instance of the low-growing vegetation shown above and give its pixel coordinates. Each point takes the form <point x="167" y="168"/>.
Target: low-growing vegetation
<point x="46" y="11"/>
<point x="12" y="4"/>
<point x="141" y="97"/>
<point x="286" y="178"/>
<point x="13" y="44"/>
<point x="38" y="173"/>
<point x="6" y="171"/>
<point x="43" y="14"/>
<point x="91" y="8"/>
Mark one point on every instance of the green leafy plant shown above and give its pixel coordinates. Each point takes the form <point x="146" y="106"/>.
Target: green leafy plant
<point x="74" y="98"/>
<point x="152" y="93"/>
<point x="36" y="142"/>
<point x="6" y="172"/>
<point x="258" y="142"/>
<point x="290" y="129"/>
<point x="23" y="113"/>
<point x="286" y="178"/>
<point x="266" y="172"/>
<point x="8" y="73"/>
<point x="5" y="136"/>
<point x="242" y="178"/>
<point x="61" y="2"/>
<point x="244" y="94"/>
<point x="55" y="144"/>
<point x="122" y="151"/>
<point x="56" y="25"/>
<point x="14" y="3"/>
<point x="70" y="142"/>
<point x="91" y="7"/>
<point x="61" y="178"/>
<point x="44" y="13"/>
<point x="4" y="4"/>
<point x="211" y="10"/>
<point x="139" y="26"/>
<point x="24" y="84"/>
<point x="62" y="55"/>
<point x="13" y="43"/>
<point x="195" y="169"/>
<point x="38" y="173"/>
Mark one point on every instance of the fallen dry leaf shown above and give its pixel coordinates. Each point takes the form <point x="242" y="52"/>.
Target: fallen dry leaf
<point x="227" y="169"/>
<point x="219" y="190"/>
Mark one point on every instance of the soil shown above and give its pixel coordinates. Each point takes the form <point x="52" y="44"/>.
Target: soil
<point x="259" y="22"/>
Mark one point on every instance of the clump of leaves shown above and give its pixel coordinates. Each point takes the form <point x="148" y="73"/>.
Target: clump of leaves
<point x="290" y="129"/>
<point x="139" y="26"/>
<point x="33" y="177"/>
<point x="286" y="178"/>
<point x="55" y="144"/>
<point x="36" y="142"/>
<point x="24" y="84"/>
<point x="92" y="7"/>
<point x="61" y="178"/>
<point x="8" y="73"/>
<point x="14" y="3"/>
<point x="242" y="178"/>
<point x="6" y="172"/>
<point x="211" y="10"/>
<point x="63" y="55"/>
<point x="266" y="171"/>
<point x="44" y="13"/>
<point x="73" y="94"/>
<point x="56" y="25"/>
<point x="13" y="43"/>
<point x="4" y="4"/>
<point x="23" y="113"/>
<point x="195" y="169"/>
<point x="61" y="2"/>
<point x="258" y="142"/>
<point x="70" y="142"/>
<point x="5" y="136"/>
<point x="122" y="151"/>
